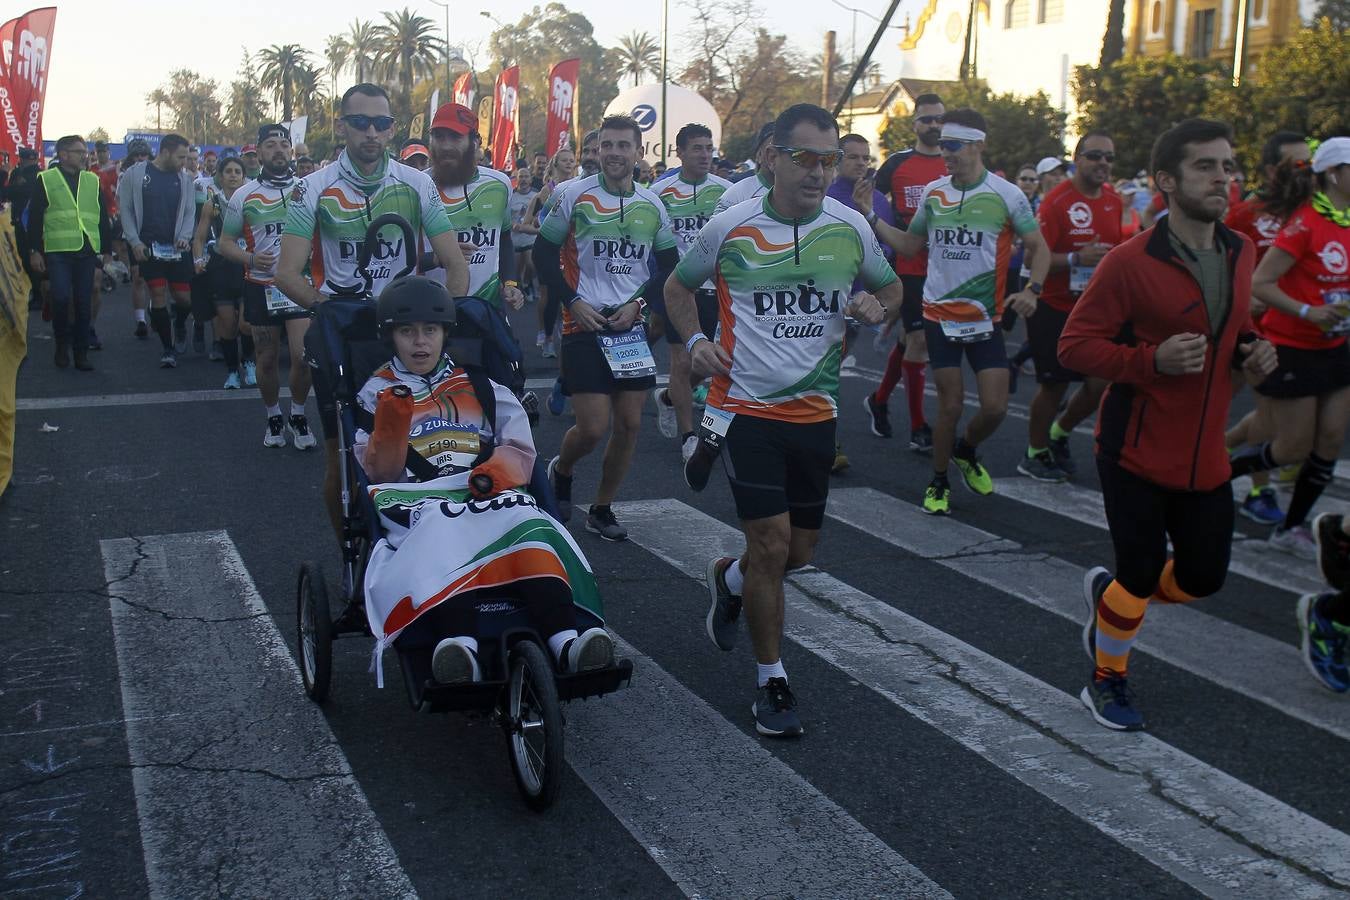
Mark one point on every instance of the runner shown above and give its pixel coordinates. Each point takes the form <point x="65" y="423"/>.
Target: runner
<point x="68" y="229"/>
<point x="223" y="279"/>
<point x="562" y="169"/>
<point x="415" y="154"/>
<point x="903" y="177"/>
<point x="590" y="153"/>
<point x="1080" y="221"/>
<point x="137" y="151"/>
<point x="156" y="203"/>
<point x="304" y="166"/>
<point x="594" y="252"/>
<point x="784" y="266"/>
<point x="522" y="240"/>
<point x="249" y="155"/>
<point x="1051" y="172"/>
<point x="478" y="203"/>
<point x="969" y="218"/>
<point x="327" y="216"/>
<point x="689" y="197"/>
<point x="757" y="184"/>
<point x="1181" y="291"/>
<point x="210" y="159"/>
<point x="1304" y="279"/>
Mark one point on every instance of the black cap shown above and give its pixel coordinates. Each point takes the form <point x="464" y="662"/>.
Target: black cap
<point x="27" y="153"/>
<point x="271" y="131"/>
<point x="765" y="134"/>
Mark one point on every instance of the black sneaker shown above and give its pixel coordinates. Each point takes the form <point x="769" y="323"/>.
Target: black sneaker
<point x="880" y="416"/>
<point x="775" y="710"/>
<point x="1095" y="581"/>
<point x="921" y="439"/>
<point x="1333" y="550"/>
<point x="562" y="489"/>
<point x="1059" y="449"/>
<point x="725" y="612"/>
<point x="601" y="520"/>
<point x="142" y="330"/>
<point x="180" y="335"/>
<point x="94" y="342"/>
<point x="1042" y="467"/>
<point x="168" y="360"/>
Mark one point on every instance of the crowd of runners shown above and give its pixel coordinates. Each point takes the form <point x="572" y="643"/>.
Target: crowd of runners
<point x="1149" y="302"/>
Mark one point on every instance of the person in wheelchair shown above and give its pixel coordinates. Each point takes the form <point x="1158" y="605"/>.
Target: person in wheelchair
<point x="447" y="457"/>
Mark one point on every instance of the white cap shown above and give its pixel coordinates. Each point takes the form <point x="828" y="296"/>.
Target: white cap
<point x="1050" y="164"/>
<point x="1331" y="153"/>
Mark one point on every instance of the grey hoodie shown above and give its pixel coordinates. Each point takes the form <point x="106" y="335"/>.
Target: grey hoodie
<point x="130" y="188"/>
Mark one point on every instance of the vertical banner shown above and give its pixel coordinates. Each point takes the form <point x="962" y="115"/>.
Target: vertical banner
<point x="434" y="105"/>
<point x="27" y="50"/>
<point x="299" y="127"/>
<point x="504" y="125"/>
<point x="11" y="136"/>
<point x="485" y="121"/>
<point x="416" y="129"/>
<point x="463" y="92"/>
<point x="562" y="93"/>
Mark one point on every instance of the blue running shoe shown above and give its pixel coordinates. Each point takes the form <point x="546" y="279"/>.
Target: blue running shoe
<point x="1111" y="703"/>
<point x="1324" y="644"/>
<point x="556" y="401"/>
<point x="775" y="710"/>
<point x="1094" y="585"/>
<point x="1262" y="506"/>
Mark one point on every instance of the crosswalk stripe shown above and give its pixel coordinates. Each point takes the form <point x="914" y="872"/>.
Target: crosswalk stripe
<point x="1251" y="558"/>
<point x="1206" y="828"/>
<point x="1271" y="671"/>
<point x="239" y="781"/>
<point x="720" y="814"/>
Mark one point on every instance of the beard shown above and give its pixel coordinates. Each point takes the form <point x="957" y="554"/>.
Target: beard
<point x="456" y="170"/>
<point x="1198" y="209"/>
<point x="930" y="137"/>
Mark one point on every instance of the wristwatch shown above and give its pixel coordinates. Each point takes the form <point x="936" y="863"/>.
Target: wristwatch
<point x="1034" y="287"/>
<point x="872" y="217"/>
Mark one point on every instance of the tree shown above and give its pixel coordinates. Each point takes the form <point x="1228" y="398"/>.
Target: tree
<point x="363" y="43"/>
<point x="408" y="48"/>
<point x="193" y="102"/>
<point x="1113" y="42"/>
<point x="638" y="54"/>
<point x="247" y="107"/>
<point x="280" y="73"/>
<point x="718" y="37"/>
<point x="159" y="98"/>
<point x="336" y="53"/>
<point x="1337" y="12"/>
<point x="97" y="134"/>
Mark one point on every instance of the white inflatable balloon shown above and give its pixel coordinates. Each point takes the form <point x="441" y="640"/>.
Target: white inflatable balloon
<point x="683" y="107"/>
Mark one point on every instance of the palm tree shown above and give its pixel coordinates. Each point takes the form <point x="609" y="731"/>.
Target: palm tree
<point x="247" y="107"/>
<point x="363" y="43"/>
<point x="1113" y="42"/>
<point x="309" y="88"/>
<point x="160" y="98"/>
<point x="408" y="48"/>
<point x="336" y="52"/>
<point x="638" y="53"/>
<point x="281" y="64"/>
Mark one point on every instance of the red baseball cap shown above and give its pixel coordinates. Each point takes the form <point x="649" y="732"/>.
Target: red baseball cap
<point x="459" y="119"/>
<point x="412" y="150"/>
<point x="247" y="149"/>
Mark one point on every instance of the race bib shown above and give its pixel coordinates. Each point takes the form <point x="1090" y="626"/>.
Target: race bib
<point x="449" y="446"/>
<point x="164" y="252"/>
<point x="716" y="421"/>
<point x="1079" y="277"/>
<point x="1340" y="299"/>
<point x="277" y="302"/>
<point x="968" y="332"/>
<point x="627" y="353"/>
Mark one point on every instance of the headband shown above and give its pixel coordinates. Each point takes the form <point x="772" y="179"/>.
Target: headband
<point x="952" y="131"/>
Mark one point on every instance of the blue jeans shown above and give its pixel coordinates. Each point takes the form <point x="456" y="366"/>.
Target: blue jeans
<point x="70" y="277"/>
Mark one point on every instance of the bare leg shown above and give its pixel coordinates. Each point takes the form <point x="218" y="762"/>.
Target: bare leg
<point x="622" y="441"/>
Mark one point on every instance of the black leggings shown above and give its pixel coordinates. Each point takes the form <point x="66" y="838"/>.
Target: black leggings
<point x="1142" y="516"/>
<point x="548" y="601"/>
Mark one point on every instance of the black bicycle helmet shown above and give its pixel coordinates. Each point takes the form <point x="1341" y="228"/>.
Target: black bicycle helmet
<point x="414" y="298"/>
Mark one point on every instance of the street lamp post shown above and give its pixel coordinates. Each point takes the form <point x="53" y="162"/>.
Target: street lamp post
<point x="446" y="6"/>
<point x="665" y="44"/>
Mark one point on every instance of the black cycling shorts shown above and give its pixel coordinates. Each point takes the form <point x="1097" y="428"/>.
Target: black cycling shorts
<point x="255" y="308"/>
<point x="946" y="354"/>
<point x="584" y="370"/>
<point x="1043" y="331"/>
<point x="777" y="467"/>
<point x="911" y="307"/>
<point x="1307" y="373"/>
<point x="177" y="273"/>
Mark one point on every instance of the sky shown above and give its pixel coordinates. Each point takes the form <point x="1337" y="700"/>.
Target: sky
<point x="107" y="56"/>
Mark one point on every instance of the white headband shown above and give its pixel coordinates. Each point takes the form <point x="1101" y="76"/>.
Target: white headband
<point x="950" y="130"/>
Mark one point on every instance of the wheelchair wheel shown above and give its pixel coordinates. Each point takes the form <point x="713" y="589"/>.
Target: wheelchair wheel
<point x="314" y="621"/>
<point x="534" y="726"/>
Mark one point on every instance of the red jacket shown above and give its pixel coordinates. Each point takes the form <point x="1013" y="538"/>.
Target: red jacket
<point x="1167" y="429"/>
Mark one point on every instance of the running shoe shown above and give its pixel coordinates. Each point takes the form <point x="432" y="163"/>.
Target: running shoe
<point x="1262" y="505"/>
<point x="168" y="360"/>
<point x="841" y="462"/>
<point x="550" y="350"/>
<point x="275" y="435"/>
<point x="775" y="710"/>
<point x="601" y="521"/>
<point x="688" y="447"/>
<point x="94" y="342"/>
<point x="1333" y="550"/>
<point x="1059" y="449"/>
<point x="1324" y="644"/>
<point x="557" y="402"/>
<point x="301" y="437"/>
<point x="1095" y="582"/>
<point x="1111" y="703"/>
<point x="142" y="330"/>
<point x="725" y="612"/>
<point x="180" y="335"/>
<point x="562" y="489"/>
<point x="937" y="497"/>
<point x="975" y="475"/>
<point x="1040" y="467"/>
<point x="454" y="662"/>
<point x="921" y="439"/>
<point x="216" y="355"/>
<point x="665" y="413"/>
<point x="1296" y="541"/>
<point x="592" y="649"/>
<point x="879" y="416"/>
<point x="250" y="373"/>
<point x="232" y="381"/>
<point x="539" y="340"/>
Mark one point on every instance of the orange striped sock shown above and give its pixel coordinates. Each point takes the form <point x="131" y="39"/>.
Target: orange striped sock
<point x="1168" y="591"/>
<point x="1119" y="616"/>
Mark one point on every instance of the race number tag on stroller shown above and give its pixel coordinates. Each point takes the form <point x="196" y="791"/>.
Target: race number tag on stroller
<point x="627" y="352"/>
<point x="1079" y="276"/>
<point x="449" y="446"/>
<point x="968" y="332"/>
<point x="164" y="252"/>
<point x="277" y="302"/>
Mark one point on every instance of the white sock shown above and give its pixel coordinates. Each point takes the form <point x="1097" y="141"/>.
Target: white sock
<point x="297" y="409"/>
<point x="558" y="641"/>
<point x="274" y="410"/>
<point x="734" y="578"/>
<point x="772" y="670"/>
<point x="140" y="315"/>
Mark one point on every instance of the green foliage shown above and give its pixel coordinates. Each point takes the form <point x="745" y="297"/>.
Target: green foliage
<point x="1337" y="12"/>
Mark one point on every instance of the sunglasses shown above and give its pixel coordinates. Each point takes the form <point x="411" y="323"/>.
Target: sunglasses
<point x="807" y="159"/>
<point x="1026" y="177"/>
<point x="928" y="120"/>
<point x="951" y="145"/>
<point x="363" y="123"/>
<point x="1099" y="155"/>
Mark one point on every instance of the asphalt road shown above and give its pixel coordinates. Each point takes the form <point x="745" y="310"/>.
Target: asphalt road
<point x="156" y="740"/>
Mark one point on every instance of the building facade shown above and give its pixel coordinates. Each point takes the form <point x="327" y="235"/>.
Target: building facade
<point x="1208" y="29"/>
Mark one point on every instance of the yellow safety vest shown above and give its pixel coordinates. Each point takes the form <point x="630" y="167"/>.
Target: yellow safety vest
<point x="69" y="219"/>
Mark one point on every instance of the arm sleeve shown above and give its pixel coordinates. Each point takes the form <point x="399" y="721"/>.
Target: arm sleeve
<point x="559" y="218"/>
<point x="37" y="207"/>
<point x="232" y="224"/>
<point x="187" y="210"/>
<point x="874" y="271"/>
<point x="506" y="256"/>
<point x="302" y="210"/>
<point x="700" y="261"/>
<point x="1019" y="211"/>
<point x="1090" y="341"/>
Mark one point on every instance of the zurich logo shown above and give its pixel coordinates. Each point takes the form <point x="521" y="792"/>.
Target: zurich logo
<point x="645" y="116"/>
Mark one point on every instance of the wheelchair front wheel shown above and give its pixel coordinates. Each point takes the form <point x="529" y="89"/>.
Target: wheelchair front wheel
<point x="534" y="726"/>
<point x="314" y="626"/>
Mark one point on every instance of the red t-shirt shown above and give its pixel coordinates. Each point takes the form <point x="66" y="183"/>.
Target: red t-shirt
<point x="1251" y="218"/>
<point x="1320" y="275"/>
<point x="904" y="175"/>
<point x="107" y="181"/>
<point x="1070" y="221"/>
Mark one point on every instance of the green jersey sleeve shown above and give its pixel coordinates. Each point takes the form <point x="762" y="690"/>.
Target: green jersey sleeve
<point x="302" y="209"/>
<point x="665" y="231"/>
<point x="1023" y="219"/>
<point x="434" y="219"/>
<point x="919" y="223"/>
<point x="700" y="261"/>
<point x="874" y="271"/>
<point x="233" y="224"/>
<point x="559" y="219"/>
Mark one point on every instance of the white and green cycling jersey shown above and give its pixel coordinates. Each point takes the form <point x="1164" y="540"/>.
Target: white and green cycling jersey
<point x="746" y="189"/>
<point x="256" y="215"/>
<point x="690" y="206"/>
<point x="337" y="204"/>
<point x="480" y="214"/>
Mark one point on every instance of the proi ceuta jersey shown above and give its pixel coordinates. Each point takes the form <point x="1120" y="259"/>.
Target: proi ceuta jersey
<point x="690" y="206"/>
<point x="480" y="214"/>
<point x="257" y="213"/>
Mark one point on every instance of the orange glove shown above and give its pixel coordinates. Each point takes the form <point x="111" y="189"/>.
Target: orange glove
<point x="388" y="447"/>
<point x="489" y="478"/>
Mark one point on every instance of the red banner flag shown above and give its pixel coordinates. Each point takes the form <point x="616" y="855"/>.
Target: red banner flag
<point x="504" y="128"/>
<point x="26" y="48"/>
<point x="463" y="92"/>
<point x="562" y="95"/>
